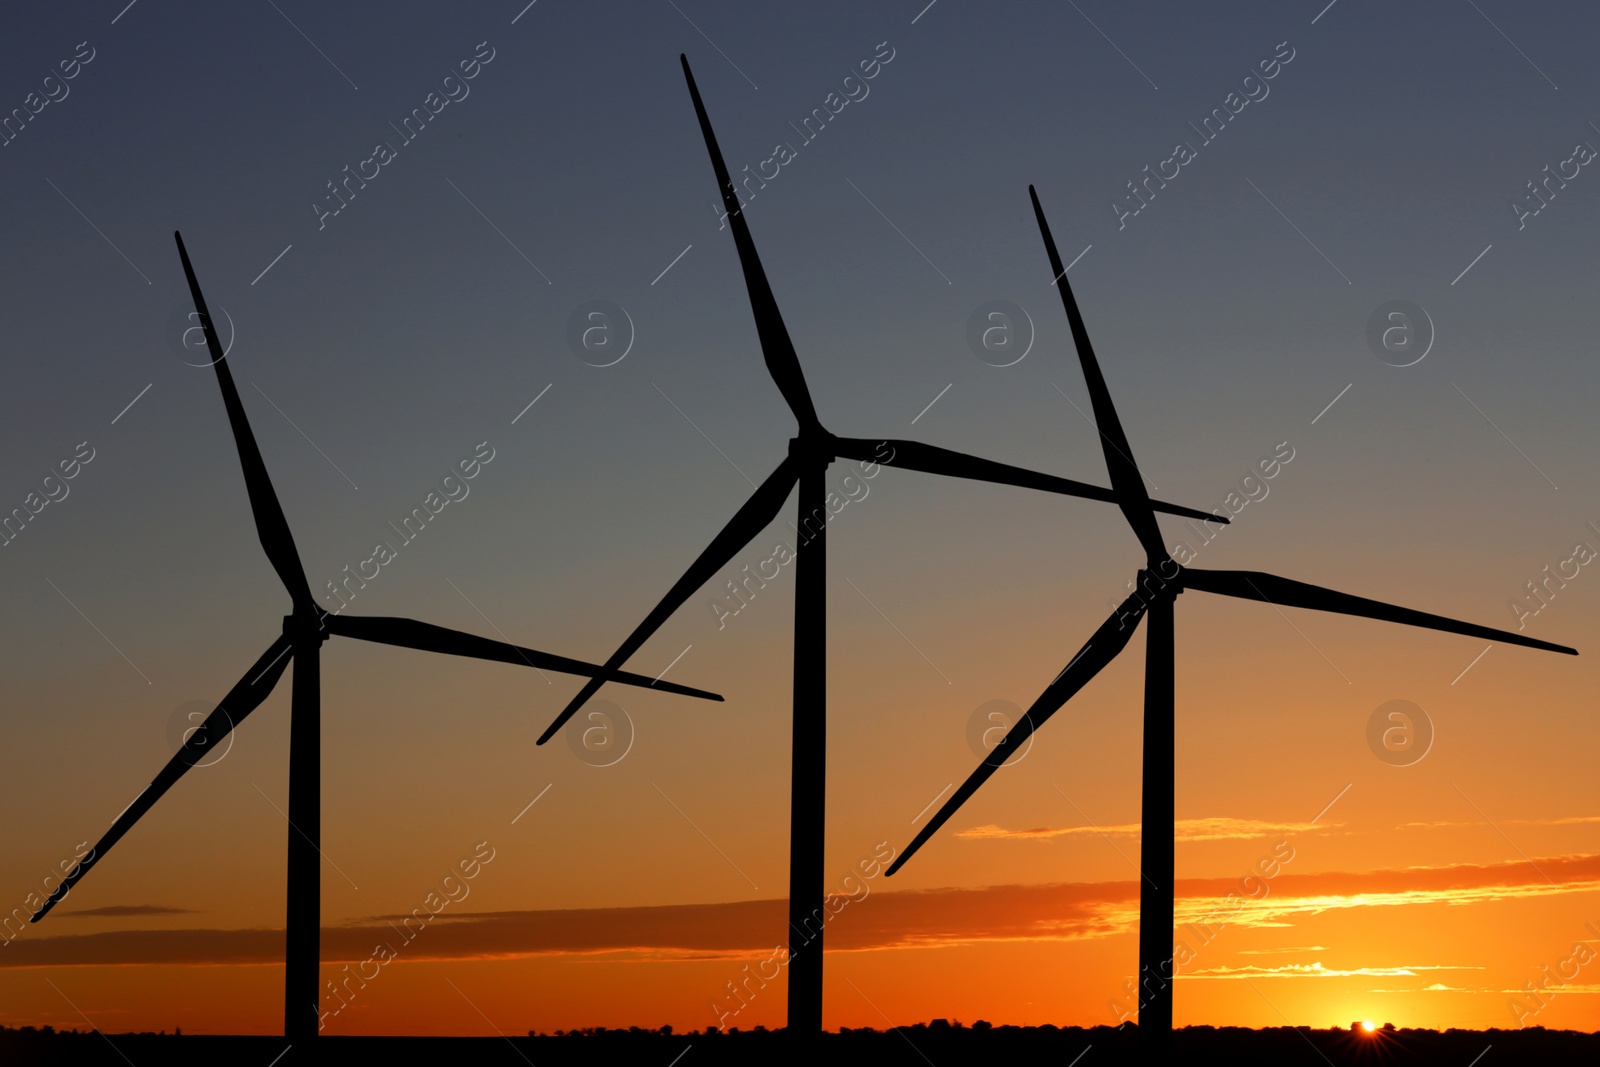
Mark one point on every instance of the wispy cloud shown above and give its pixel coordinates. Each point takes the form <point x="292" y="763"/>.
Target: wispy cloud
<point x="736" y="930"/>
<point x="1570" y="820"/>
<point x="1317" y="970"/>
<point x="1457" y="885"/>
<point x="883" y="920"/>
<point x="1440" y="987"/>
<point x="1227" y="828"/>
<point x="1216" y="828"/>
<point x="125" y="911"/>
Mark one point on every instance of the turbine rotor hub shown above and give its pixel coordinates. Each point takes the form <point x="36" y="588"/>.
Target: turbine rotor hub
<point x="814" y="446"/>
<point x="1164" y="579"/>
<point x="304" y="626"/>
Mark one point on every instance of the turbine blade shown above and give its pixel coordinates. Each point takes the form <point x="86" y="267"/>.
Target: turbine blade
<point x="241" y="700"/>
<point x="271" y="526"/>
<point x="1106" y="644"/>
<point x="1255" y="585"/>
<point x="746" y="523"/>
<point x="1125" y="478"/>
<point x="913" y="455"/>
<point x="408" y="633"/>
<point x="776" y="348"/>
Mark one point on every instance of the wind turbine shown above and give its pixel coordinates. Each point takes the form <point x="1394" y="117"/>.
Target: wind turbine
<point x="1157" y="587"/>
<point x="304" y="630"/>
<point x="810" y="453"/>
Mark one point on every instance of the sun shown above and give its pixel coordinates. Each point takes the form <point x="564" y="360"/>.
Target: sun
<point x="1366" y="1024"/>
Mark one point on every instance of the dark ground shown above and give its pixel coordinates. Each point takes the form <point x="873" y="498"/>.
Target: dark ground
<point x="938" y="1044"/>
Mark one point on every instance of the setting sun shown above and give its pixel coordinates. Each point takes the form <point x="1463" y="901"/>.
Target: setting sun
<point x="1366" y="1025"/>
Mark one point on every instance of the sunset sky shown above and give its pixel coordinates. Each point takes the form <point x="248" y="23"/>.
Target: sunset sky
<point x="1389" y="157"/>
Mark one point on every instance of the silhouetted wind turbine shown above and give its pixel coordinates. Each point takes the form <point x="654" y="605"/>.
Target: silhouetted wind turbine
<point x="303" y="633"/>
<point x="1158" y="585"/>
<point x="810" y="453"/>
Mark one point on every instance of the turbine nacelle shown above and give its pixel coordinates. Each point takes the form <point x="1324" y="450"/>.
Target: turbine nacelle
<point x="1168" y="583"/>
<point x="301" y="626"/>
<point x="813" y="445"/>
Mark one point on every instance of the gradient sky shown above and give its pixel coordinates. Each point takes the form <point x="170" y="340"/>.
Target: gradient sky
<point x="383" y="348"/>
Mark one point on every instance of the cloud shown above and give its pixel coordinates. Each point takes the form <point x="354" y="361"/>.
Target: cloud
<point x="1570" y="820"/>
<point x="1440" y="987"/>
<point x="1460" y="884"/>
<point x="125" y="947"/>
<point x="1000" y="833"/>
<point x="1215" y="828"/>
<point x="125" y="910"/>
<point x="1228" y="829"/>
<point x="880" y="920"/>
<point x="1317" y="970"/>
<point x="735" y="930"/>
